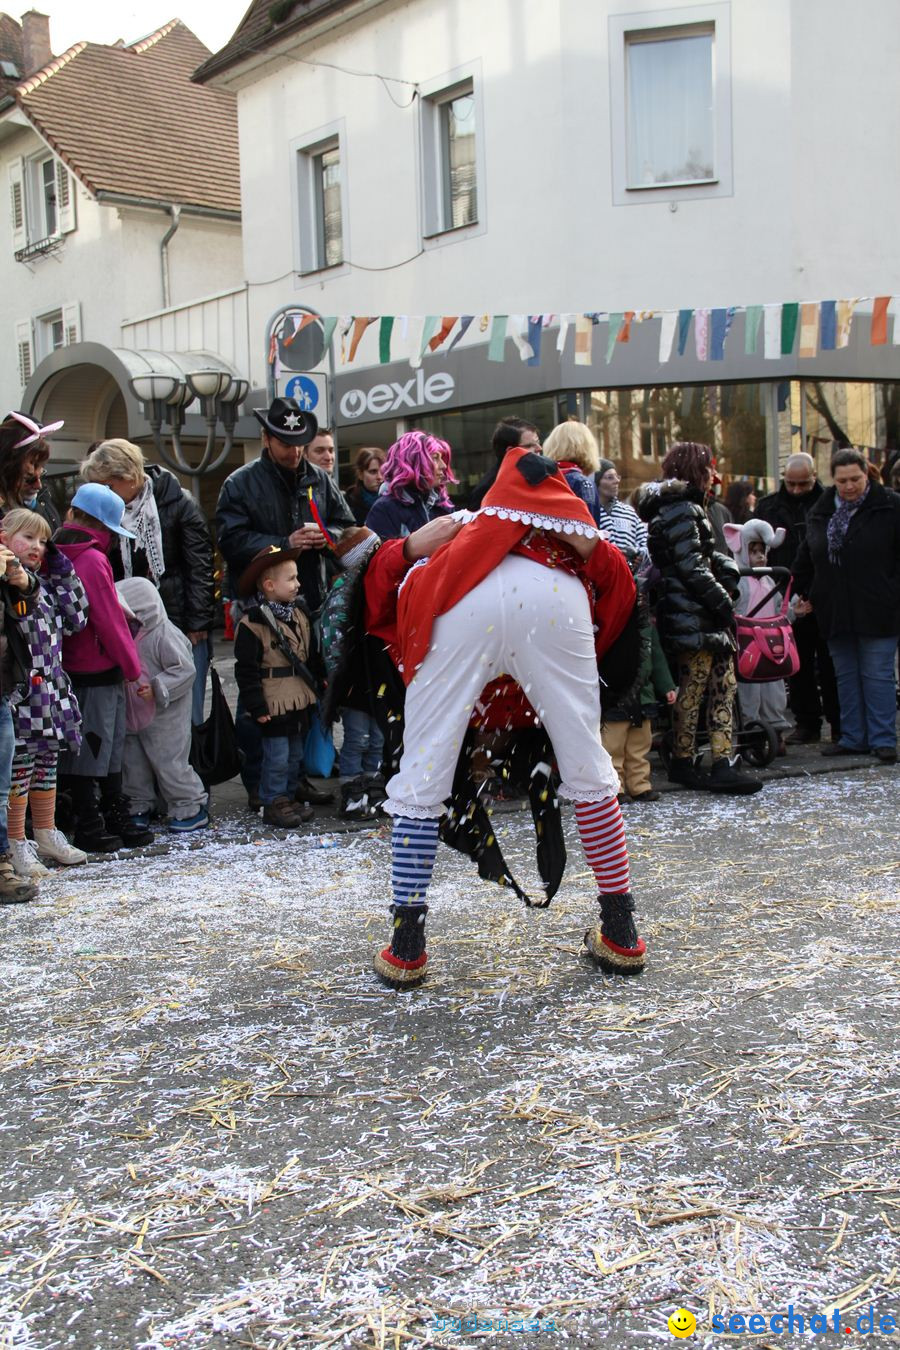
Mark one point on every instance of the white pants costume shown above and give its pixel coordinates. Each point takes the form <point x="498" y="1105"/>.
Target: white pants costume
<point x="533" y="623"/>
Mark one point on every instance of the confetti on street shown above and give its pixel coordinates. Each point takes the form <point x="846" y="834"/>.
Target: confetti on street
<point x="220" y="1130"/>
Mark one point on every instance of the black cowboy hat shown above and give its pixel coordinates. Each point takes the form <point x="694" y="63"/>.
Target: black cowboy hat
<point x="261" y="562"/>
<point x="287" y="422"/>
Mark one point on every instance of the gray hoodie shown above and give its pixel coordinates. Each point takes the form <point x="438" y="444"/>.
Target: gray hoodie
<point x="165" y="653"/>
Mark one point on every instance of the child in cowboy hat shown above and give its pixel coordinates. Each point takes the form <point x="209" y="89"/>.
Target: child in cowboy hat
<point x="271" y="647"/>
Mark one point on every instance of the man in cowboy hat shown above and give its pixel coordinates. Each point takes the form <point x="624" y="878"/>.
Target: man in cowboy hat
<point x="275" y="500"/>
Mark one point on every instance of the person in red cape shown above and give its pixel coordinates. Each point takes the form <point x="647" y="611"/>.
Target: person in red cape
<point x="526" y="589"/>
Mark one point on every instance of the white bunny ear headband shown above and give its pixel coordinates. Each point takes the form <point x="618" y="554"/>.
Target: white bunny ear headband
<point x="37" y="431"/>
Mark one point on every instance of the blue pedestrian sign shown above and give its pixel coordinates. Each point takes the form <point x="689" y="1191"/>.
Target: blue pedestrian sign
<point x="304" y="390"/>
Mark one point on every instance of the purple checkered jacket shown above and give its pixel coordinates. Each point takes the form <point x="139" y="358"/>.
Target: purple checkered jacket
<point x="46" y="709"/>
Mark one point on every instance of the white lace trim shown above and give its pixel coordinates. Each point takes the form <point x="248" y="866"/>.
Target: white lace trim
<point x="395" y="808"/>
<point x="538" y="522"/>
<point x="579" y="795"/>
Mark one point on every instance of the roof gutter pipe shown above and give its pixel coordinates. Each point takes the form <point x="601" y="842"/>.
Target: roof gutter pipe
<point x="164" y="254"/>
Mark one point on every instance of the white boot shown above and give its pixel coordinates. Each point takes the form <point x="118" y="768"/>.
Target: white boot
<point x="54" y="845"/>
<point x="25" y="860"/>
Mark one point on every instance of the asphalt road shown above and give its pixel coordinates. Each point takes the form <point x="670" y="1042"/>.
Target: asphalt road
<point x="220" y="1130"/>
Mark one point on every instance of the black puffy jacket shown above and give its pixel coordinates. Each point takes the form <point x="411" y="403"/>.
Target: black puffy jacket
<point x="697" y="585"/>
<point x="859" y="595"/>
<point x="187" y="588"/>
<point x="261" y="504"/>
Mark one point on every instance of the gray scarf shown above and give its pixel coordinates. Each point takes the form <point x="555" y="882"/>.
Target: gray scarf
<point x="141" y="516"/>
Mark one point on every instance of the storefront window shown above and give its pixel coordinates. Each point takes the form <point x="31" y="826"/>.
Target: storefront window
<point x="635" y="427"/>
<point x="468" y="431"/>
<point x="827" y="414"/>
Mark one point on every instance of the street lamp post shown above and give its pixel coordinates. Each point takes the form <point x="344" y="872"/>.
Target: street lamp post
<point x="164" y="398"/>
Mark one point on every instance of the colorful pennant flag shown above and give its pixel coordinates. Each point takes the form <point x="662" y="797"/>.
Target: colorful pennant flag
<point x="718" y="331"/>
<point x="828" y="319"/>
<point x="701" y="333"/>
<point x="384" y="339"/>
<point x="359" y="327"/>
<point x="684" y="325"/>
<point x="752" y="317"/>
<point x="446" y="328"/>
<point x="809" y="330"/>
<point x="844" y="321"/>
<point x="878" y="335"/>
<point x="516" y="328"/>
<point x="667" y="335"/>
<point x="584" y="337"/>
<point x="612" y="336"/>
<point x="625" y="330"/>
<point x="464" y="325"/>
<point x="536" y="327"/>
<point x="497" y="344"/>
<point x="565" y="323"/>
<point x="789" y="315"/>
<point x="772" y="331"/>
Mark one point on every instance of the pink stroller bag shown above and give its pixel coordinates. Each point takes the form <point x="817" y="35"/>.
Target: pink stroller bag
<point x="766" y="648"/>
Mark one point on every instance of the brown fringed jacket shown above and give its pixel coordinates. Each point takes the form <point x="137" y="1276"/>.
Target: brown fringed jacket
<point x="265" y="679"/>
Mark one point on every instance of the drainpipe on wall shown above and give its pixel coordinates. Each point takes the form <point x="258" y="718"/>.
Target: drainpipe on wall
<point x="175" y="212"/>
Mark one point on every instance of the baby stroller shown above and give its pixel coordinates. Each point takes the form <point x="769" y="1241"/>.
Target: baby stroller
<point x="765" y="652"/>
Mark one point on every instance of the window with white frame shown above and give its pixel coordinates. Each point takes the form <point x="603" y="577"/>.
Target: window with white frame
<point x="320" y="203"/>
<point x="39" y="338"/>
<point x="42" y="200"/>
<point x="450" y="157"/>
<point x="669" y="106"/>
<point x="670" y="85"/>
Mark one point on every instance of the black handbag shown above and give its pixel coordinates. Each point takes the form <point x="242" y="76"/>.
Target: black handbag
<point x="214" y="749"/>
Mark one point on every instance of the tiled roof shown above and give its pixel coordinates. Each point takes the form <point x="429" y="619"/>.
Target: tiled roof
<point x="128" y="120"/>
<point x="265" y="22"/>
<point x="10" y="50"/>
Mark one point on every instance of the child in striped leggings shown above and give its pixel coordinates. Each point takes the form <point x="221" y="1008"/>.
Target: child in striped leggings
<point x="47" y="717"/>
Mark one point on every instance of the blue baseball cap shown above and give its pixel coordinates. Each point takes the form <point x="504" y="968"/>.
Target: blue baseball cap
<point x="99" y="501"/>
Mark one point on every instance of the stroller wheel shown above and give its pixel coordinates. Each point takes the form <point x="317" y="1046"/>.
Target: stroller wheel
<point x="758" y="744"/>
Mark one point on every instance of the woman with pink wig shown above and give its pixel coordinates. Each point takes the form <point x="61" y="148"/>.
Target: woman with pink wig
<point x="413" y="488"/>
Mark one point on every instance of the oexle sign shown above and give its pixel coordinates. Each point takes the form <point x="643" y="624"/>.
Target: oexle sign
<point x="397" y="397"/>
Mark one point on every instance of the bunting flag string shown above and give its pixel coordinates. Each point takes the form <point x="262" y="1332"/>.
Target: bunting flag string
<point x="804" y="327"/>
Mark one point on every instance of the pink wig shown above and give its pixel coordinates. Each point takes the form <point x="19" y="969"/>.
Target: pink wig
<point x="410" y="464"/>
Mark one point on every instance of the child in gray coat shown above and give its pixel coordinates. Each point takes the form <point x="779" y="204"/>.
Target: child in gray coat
<point x="156" y="756"/>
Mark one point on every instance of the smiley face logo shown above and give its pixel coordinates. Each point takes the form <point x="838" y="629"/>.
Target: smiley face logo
<point x="682" y="1323"/>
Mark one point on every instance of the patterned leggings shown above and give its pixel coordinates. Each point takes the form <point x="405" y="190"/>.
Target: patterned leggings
<point x="34" y="779"/>
<point x="711" y="675"/>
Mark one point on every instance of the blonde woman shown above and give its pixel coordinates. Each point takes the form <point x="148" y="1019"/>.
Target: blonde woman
<point x="574" y="447"/>
<point x="172" y="547"/>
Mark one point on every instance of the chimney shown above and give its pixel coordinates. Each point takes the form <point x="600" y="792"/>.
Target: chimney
<point x="35" y="41"/>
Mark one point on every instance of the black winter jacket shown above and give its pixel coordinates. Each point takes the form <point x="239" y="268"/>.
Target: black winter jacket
<point x="262" y="504"/>
<point x="697" y="587"/>
<point x="859" y="595"/>
<point x="187" y="587"/>
<point x="784" y="510"/>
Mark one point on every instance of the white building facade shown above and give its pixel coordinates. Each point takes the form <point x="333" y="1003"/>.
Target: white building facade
<point x="571" y="157"/>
